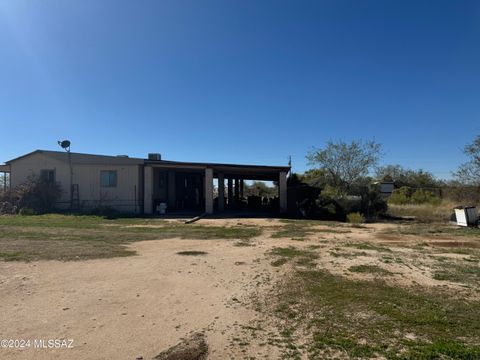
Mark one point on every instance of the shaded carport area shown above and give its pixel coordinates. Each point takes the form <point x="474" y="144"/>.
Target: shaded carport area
<point x="182" y="184"/>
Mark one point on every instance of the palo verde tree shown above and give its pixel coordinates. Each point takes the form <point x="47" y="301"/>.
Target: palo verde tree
<point x="346" y="164"/>
<point x="469" y="172"/>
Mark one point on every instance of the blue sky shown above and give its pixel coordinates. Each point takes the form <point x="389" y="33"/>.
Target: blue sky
<point x="241" y="81"/>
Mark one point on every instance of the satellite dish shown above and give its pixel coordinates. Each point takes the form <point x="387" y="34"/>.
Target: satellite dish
<point x="65" y="144"/>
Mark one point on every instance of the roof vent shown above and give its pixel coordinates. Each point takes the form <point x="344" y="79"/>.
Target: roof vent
<point x="154" y="156"/>
<point x="122" y="156"/>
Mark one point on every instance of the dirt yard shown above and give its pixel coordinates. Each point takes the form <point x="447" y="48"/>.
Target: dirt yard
<point x="137" y="306"/>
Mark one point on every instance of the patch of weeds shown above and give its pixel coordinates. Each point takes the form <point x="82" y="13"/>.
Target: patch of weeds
<point x="365" y="319"/>
<point x="292" y="231"/>
<point x="434" y="230"/>
<point x="279" y="262"/>
<point x="368" y="246"/>
<point x="353" y="348"/>
<point x="192" y="253"/>
<point x="298" y="238"/>
<point x="390" y="259"/>
<point x="309" y="222"/>
<point x="369" y="269"/>
<point x="348" y="255"/>
<point x="13" y="256"/>
<point x="334" y="231"/>
<point x="302" y="257"/>
<point x="458" y="272"/>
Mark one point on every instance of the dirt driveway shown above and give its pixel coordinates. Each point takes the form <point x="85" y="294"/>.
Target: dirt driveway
<point x="124" y="308"/>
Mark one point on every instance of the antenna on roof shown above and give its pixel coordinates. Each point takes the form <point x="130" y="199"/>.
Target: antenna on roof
<point x="65" y="144"/>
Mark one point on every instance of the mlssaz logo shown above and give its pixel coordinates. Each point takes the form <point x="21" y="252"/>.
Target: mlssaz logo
<point x="53" y="344"/>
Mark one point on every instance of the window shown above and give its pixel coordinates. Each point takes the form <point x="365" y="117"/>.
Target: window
<point x="47" y="176"/>
<point x="108" y="178"/>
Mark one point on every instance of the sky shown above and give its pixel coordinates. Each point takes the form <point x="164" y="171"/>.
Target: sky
<point x="241" y="81"/>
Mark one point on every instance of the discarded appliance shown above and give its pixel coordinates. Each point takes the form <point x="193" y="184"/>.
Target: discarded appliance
<point x="466" y="215"/>
<point x="162" y="208"/>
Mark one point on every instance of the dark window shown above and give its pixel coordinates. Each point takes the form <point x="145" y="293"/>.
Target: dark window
<point x="108" y="178"/>
<point x="47" y="176"/>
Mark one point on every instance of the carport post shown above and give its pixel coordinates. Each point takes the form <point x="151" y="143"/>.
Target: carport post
<point x="230" y="192"/>
<point x="221" y="192"/>
<point x="171" y="189"/>
<point x="282" y="191"/>
<point x="209" y="191"/>
<point x="241" y="188"/>
<point x="148" y="190"/>
<point x="237" y="189"/>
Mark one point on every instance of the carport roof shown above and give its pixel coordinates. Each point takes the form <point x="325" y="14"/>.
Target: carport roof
<point x="240" y="171"/>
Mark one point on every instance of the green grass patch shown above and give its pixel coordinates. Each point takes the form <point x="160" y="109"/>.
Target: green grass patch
<point x="292" y="231"/>
<point x="369" y="269"/>
<point x="301" y="257"/>
<point x="368" y="246"/>
<point x="192" y="253"/>
<point x="435" y="230"/>
<point x="461" y="272"/>
<point x="348" y="255"/>
<point x="371" y="319"/>
<point x="69" y="237"/>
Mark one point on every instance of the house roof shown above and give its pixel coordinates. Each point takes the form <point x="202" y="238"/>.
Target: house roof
<point x="80" y="158"/>
<point x="241" y="171"/>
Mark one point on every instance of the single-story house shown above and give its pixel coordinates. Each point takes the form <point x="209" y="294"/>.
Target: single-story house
<point x="141" y="185"/>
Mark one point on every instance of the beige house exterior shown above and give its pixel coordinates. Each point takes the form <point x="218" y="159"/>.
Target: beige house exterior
<point x="141" y="186"/>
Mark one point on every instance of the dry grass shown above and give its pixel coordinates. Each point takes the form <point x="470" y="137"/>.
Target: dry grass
<point x="424" y="212"/>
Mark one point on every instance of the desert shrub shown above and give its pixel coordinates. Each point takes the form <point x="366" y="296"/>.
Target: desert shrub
<point x="355" y="218"/>
<point x="400" y="196"/>
<point x="406" y="195"/>
<point x="6" y="206"/>
<point x="33" y="196"/>
<point x="26" y="211"/>
<point x="421" y="196"/>
<point x="332" y="204"/>
<point x="462" y="194"/>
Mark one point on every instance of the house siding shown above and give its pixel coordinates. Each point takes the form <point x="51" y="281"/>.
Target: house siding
<point x="126" y="196"/>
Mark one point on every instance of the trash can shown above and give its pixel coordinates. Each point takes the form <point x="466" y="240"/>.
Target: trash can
<point x="466" y="215"/>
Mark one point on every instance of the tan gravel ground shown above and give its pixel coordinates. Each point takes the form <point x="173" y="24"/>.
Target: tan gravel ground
<point x="124" y="308"/>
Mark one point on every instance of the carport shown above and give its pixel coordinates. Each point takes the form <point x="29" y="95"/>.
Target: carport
<point x="190" y="185"/>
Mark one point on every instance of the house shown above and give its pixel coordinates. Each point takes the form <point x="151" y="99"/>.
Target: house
<point x="140" y="185"/>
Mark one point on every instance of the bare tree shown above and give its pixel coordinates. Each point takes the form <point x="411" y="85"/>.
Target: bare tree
<point x="469" y="172"/>
<point x="346" y="163"/>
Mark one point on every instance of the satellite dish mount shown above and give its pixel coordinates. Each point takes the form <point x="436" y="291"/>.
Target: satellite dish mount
<point x="65" y="144"/>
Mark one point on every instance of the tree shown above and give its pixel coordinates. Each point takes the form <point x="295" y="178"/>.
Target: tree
<point x="259" y="188"/>
<point x="406" y="177"/>
<point x="34" y="194"/>
<point x="469" y="172"/>
<point x="4" y="182"/>
<point x="346" y="164"/>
